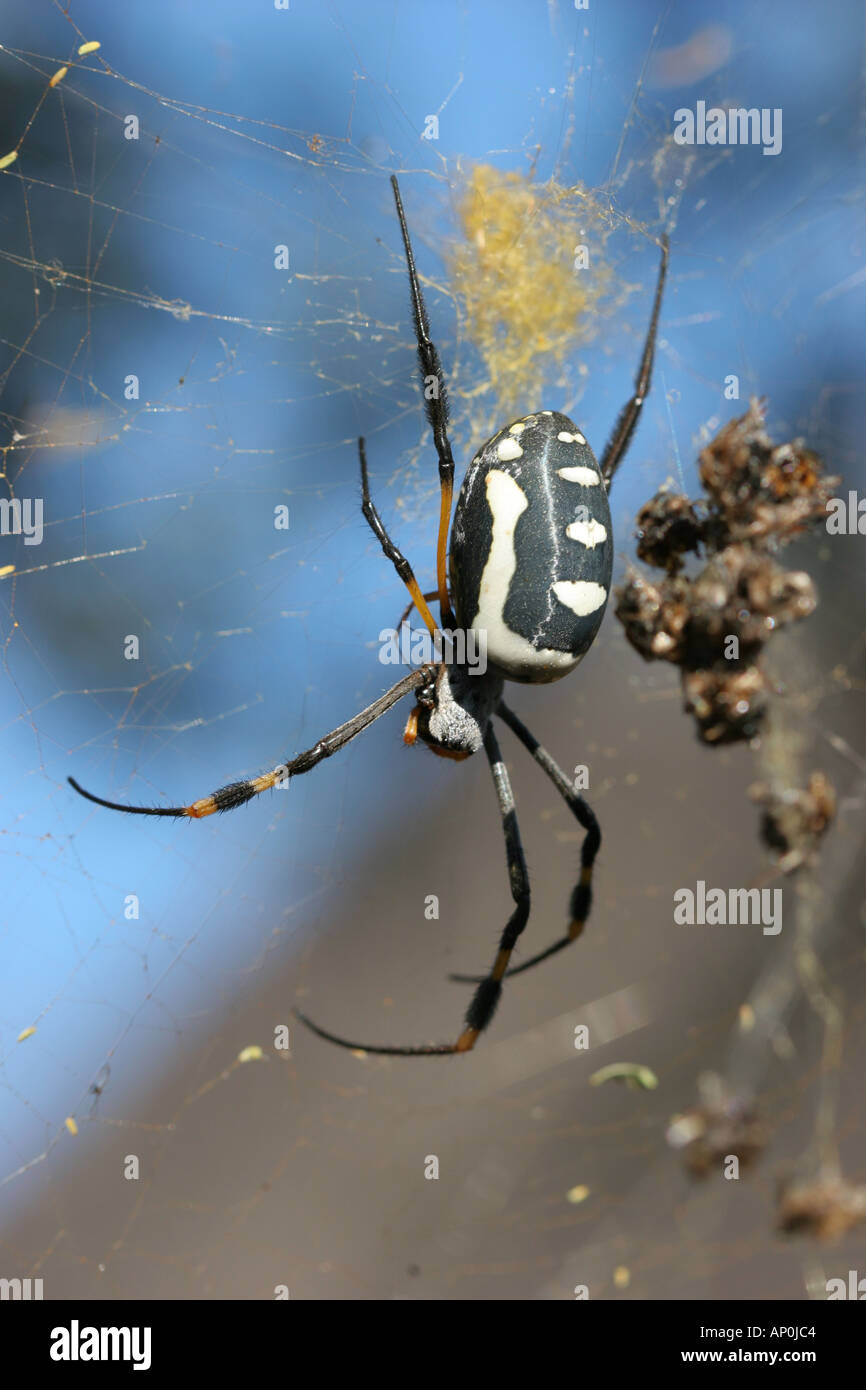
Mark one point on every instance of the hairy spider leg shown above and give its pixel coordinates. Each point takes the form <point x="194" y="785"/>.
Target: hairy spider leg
<point x="397" y="558"/>
<point x="581" y="897"/>
<point x="489" y="991"/>
<point x="237" y="793"/>
<point x="436" y="406"/>
<point x="629" y="415"/>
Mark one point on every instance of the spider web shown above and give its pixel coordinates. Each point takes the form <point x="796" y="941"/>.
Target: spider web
<point x="166" y="384"/>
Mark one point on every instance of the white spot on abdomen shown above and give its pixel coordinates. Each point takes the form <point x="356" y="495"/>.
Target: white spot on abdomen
<point x="570" y="438"/>
<point x="508" y="449"/>
<point x="587" y="477"/>
<point x="582" y="596"/>
<point x="589" y="533"/>
<point x="505" y="648"/>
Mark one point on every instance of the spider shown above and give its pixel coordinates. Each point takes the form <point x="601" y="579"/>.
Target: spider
<point x="524" y="573"/>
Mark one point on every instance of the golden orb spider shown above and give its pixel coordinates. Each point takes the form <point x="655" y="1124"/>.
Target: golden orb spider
<point x="531" y="557"/>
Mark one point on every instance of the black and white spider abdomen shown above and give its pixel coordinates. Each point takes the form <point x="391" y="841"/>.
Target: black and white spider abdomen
<point x="531" y="548"/>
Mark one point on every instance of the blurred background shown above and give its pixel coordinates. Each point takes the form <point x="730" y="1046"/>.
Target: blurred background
<point x="169" y="378"/>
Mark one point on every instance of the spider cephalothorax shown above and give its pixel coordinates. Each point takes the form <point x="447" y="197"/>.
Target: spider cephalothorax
<point x="530" y="566"/>
<point x="453" y="712"/>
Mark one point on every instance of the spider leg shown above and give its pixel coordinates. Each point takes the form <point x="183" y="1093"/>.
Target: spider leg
<point x="436" y="406"/>
<point x="630" y="413"/>
<point x="581" y="897"/>
<point x="434" y="593"/>
<point x="237" y="793"/>
<point x="433" y="1050"/>
<point x="489" y="990"/>
<point x="487" y="995"/>
<point x="397" y="558"/>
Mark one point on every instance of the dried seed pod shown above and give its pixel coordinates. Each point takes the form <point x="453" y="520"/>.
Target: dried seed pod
<point x="826" y="1207"/>
<point x="654" y="615"/>
<point x="795" y="818"/>
<point x="758" y="490"/>
<point x="722" y="1125"/>
<point x="667" y="528"/>
<point x="715" y="624"/>
<point x="729" y="705"/>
